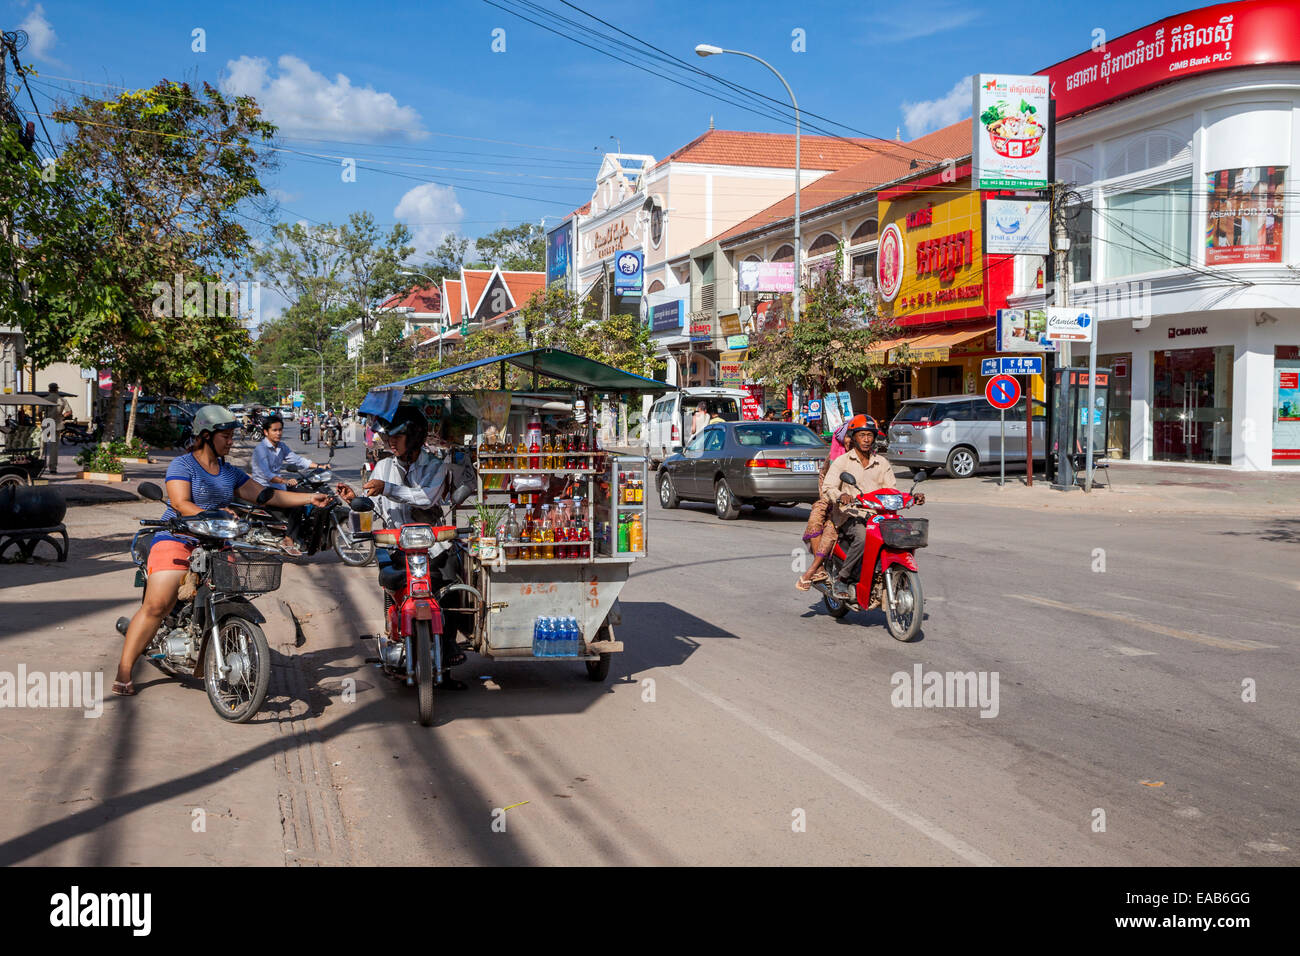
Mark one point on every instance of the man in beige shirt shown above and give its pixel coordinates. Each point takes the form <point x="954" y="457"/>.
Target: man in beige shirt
<point x="61" y="413"/>
<point x="871" y="472"/>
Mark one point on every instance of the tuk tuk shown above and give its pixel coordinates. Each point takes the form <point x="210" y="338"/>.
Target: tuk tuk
<point x="579" y="511"/>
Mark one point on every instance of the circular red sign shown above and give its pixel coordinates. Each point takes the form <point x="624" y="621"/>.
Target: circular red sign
<point x="1002" y="391"/>
<point x="890" y="257"/>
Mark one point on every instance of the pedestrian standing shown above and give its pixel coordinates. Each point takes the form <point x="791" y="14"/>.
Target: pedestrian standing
<point x="50" y="441"/>
<point x="61" y="412"/>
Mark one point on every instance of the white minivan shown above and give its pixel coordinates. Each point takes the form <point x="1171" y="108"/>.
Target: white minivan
<point x="669" y="424"/>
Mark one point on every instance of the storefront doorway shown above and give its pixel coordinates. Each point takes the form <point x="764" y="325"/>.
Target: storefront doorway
<point x="1121" y="401"/>
<point x="1192" y="405"/>
<point x="1286" y="405"/>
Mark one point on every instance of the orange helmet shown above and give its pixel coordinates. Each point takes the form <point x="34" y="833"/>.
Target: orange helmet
<point x="861" y="423"/>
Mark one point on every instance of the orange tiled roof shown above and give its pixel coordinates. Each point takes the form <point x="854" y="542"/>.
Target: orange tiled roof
<point x="453" y="299"/>
<point x="476" y="281"/>
<point x="522" y="285"/>
<point x="727" y="147"/>
<point x="891" y="161"/>
<point x="427" y="299"/>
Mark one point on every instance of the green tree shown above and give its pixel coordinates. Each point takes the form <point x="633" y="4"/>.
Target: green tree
<point x="520" y="248"/>
<point x="170" y="167"/>
<point x="829" y="345"/>
<point x="372" y="260"/>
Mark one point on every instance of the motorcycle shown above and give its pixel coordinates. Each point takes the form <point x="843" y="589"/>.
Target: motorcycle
<point x="327" y="526"/>
<point x="74" y="433"/>
<point x="414" y="642"/>
<point x="304" y="430"/>
<point x="888" y="577"/>
<point x="216" y="633"/>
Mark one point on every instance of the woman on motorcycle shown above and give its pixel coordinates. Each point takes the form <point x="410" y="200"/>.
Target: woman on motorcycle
<point x="196" y="482"/>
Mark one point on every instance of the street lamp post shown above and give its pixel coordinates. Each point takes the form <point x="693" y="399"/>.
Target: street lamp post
<point x="708" y="49"/>
<point x="441" y="330"/>
<point x="308" y="348"/>
<point x="294" y="369"/>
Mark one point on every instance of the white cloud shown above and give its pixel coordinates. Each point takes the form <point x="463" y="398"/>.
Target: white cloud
<point x="303" y="102"/>
<point x="431" y="211"/>
<point x="928" y="115"/>
<point x="922" y="20"/>
<point x="280" y="195"/>
<point x="40" y="33"/>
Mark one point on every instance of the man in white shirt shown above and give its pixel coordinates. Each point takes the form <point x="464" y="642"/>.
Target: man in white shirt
<point x="60" y="414"/>
<point x="269" y="458"/>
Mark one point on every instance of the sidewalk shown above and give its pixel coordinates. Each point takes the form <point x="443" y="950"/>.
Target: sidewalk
<point x="77" y="492"/>
<point x="1129" y="487"/>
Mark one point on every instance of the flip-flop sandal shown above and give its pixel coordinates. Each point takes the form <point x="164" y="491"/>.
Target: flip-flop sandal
<point x="802" y="584"/>
<point x="124" y="688"/>
<point x="819" y="576"/>
<point x="455" y="659"/>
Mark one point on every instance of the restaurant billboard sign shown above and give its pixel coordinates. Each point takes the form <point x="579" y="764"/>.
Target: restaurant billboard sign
<point x="1011" y="135"/>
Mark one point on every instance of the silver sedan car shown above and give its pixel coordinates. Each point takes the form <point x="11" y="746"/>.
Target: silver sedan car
<point x="744" y="463"/>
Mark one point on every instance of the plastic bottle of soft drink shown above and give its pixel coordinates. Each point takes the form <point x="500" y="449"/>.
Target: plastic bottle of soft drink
<point x="575" y="638"/>
<point x="538" y="647"/>
<point x="553" y="640"/>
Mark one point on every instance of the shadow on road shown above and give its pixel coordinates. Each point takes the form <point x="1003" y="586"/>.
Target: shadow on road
<point x="1279" y="531"/>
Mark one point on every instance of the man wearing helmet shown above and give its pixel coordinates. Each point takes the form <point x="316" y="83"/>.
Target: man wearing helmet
<point x="406" y="487"/>
<point x="871" y="472"/>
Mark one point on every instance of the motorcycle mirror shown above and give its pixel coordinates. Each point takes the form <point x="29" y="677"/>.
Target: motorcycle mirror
<point x="362" y="504"/>
<point x="151" y="491"/>
<point x="461" y="494"/>
<point x="919" y="476"/>
<point x="265" y="495"/>
<point x="848" y="479"/>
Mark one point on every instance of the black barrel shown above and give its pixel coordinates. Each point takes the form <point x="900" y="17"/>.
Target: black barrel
<point x="37" y="507"/>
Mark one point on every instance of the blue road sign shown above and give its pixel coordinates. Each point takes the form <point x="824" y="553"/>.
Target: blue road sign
<point x="1012" y="365"/>
<point x="815" y="408"/>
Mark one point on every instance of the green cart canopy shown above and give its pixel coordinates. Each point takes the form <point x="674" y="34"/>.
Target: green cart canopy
<point x="546" y="362"/>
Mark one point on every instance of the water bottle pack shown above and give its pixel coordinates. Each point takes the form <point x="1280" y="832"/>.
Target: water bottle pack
<point x="557" y="637"/>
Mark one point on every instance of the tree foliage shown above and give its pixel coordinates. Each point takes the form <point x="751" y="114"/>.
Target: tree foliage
<point x="830" y="344"/>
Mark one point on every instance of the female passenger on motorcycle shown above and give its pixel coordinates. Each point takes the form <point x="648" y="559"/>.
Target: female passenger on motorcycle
<point x="198" y="481"/>
<point x="411" y="486"/>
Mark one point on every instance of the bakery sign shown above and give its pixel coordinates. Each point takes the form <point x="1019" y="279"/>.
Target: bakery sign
<point x="602" y="241"/>
<point x="931" y="257"/>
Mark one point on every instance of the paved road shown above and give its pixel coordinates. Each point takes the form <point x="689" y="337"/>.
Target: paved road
<point x="739" y="710"/>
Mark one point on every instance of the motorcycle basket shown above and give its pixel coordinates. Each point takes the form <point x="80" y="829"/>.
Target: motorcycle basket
<point x="904" y="534"/>
<point x="236" y="573"/>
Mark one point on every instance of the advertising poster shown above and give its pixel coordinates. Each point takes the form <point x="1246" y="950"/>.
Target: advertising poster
<point x="1011" y="135"/>
<point x="559" y="254"/>
<point x="766" y="276"/>
<point x="1023" y="330"/>
<point x="1017" y="227"/>
<point x="627" y="272"/>
<point x="1244" y="215"/>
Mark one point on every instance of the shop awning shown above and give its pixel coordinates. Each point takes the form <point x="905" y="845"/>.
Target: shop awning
<point x="546" y="362"/>
<point x="880" y="354"/>
<point x="937" y="346"/>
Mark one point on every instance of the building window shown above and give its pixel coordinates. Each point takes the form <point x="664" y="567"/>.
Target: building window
<point x="866" y="232"/>
<point x="655" y="286"/>
<point x="825" y="243"/>
<point x="1078" y="226"/>
<point x="1149" y="229"/>
<point x="784" y="254"/>
<point x="864" y="266"/>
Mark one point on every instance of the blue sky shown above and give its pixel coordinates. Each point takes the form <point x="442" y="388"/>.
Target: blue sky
<point x="416" y="91"/>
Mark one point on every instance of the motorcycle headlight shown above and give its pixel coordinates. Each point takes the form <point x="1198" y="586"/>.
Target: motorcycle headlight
<point x="890" y="502"/>
<point x="418" y="565"/>
<point x="416" y="536"/>
<point x="218" y="527"/>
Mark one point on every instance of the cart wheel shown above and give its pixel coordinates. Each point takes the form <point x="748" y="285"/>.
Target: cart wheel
<point x="599" y="670"/>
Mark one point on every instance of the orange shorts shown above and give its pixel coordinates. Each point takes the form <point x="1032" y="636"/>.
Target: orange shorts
<point x="169" y="556"/>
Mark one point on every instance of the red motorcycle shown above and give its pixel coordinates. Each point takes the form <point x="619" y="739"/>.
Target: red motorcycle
<point x="414" y="643"/>
<point x="888" y="578"/>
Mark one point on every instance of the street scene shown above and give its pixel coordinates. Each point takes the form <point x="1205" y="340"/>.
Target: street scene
<point x="413" y="467"/>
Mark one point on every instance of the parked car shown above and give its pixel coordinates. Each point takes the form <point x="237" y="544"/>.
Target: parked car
<point x="669" y="424"/>
<point x="744" y="463"/>
<point x="162" y="422"/>
<point x="960" y="434"/>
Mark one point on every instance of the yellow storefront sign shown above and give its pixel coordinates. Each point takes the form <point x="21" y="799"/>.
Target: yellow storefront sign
<point x="943" y="252"/>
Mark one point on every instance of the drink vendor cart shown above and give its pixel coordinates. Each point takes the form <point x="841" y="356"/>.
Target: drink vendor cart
<point x="558" y="522"/>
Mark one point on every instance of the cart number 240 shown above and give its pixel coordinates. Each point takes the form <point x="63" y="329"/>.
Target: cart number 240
<point x="593" y="593"/>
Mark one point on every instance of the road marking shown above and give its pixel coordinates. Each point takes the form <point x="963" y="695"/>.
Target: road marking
<point x="1131" y="651"/>
<point x="1223" y="643"/>
<point x="917" y="822"/>
<point x="513" y="805"/>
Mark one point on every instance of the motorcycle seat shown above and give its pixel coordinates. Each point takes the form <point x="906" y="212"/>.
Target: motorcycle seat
<point x="392" y="577"/>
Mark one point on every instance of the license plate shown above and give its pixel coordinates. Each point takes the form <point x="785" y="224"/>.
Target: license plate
<point x="803" y="465"/>
<point x="902" y="439"/>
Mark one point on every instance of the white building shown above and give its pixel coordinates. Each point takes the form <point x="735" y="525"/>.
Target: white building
<point x="1185" y="246"/>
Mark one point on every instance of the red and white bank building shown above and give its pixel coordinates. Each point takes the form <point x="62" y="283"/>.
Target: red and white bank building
<point x="1183" y="141"/>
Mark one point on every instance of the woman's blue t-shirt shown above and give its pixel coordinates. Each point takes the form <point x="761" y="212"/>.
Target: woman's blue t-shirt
<point x="207" y="490"/>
